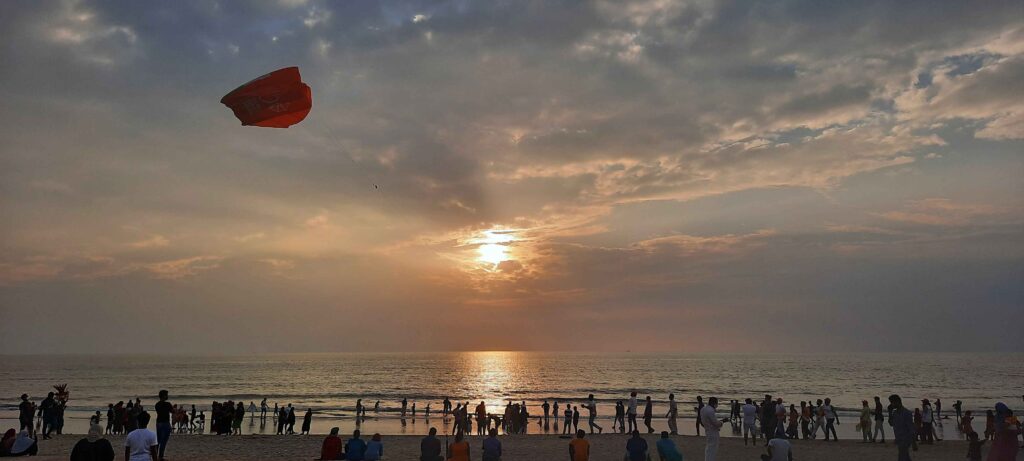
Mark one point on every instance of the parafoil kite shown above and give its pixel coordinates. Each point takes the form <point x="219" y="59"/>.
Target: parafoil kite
<point x="275" y="100"/>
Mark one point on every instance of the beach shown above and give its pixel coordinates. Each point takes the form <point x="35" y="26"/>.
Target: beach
<point x="606" y="447"/>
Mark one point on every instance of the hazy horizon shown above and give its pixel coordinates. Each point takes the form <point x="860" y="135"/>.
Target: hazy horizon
<point x="688" y="176"/>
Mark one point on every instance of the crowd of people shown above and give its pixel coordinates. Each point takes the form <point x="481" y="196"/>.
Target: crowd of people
<point x="771" y="418"/>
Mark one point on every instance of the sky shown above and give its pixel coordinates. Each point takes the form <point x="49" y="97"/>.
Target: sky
<point x="657" y="175"/>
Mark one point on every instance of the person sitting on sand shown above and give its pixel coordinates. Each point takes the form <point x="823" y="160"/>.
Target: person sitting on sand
<point x="355" y="448"/>
<point x="93" y="447"/>
<point x="430" y="447"/>
<point x="459" y="449"/>
<point x="974" y="444"/>
<point x="1004" y="438"/>
<point x="374" y="449"/>
<point x="331" y="448"/>
<point x="141" y="443"/>
<point x="779" y="449"/>
<point x="667" y="450"/>
<point x="492" y="447"/>
<point x="579" y="449"/>
<point x="24" y="445"/>
<point x="7" y="442"/>
<point x="636" y="447"/>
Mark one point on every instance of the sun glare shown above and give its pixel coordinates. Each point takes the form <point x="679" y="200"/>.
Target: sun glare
<point x="494" y="246"/>
<point x="492" y="253"/>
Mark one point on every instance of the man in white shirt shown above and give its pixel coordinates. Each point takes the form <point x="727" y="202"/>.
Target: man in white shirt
<point x="778" y="450"/>
<point x="712" y="426"/>
<point x="673" y="412"/>
<point x="140" y="445"/>
<point x="631" y="412"/>
<point x="749" y="411"/>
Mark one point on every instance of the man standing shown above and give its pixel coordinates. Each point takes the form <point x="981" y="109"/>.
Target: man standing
<point x="547" y="410"/>
<point x="263" y="411"/>
<point x="141" y="443"/>
<point x="830" y="420"/>
<point x="903" y="429"/>
<point x="673" y="412"/>
<point x="591" y="407"/>
<point x="699" y="408"/>
<point x="163" y="422"/>
<point x="879" y="421"/>
<point x="26" y="411"/>
<point x="712" y="427"/>
<point x="481" y="418"/>
<point x="749" y="421"/>
<point x="48" y="409"/>
<point x="631" y="411"/>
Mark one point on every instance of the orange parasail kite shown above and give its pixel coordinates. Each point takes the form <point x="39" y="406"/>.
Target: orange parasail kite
<point x="276" y="100"/>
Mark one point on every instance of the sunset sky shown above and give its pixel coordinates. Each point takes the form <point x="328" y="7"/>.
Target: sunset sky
<point x="787" y="176"/>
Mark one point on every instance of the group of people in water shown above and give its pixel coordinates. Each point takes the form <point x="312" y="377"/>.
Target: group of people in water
<point x="770" y="418"/>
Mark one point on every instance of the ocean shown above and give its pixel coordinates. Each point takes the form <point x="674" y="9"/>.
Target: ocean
<point x="330" y="383"/>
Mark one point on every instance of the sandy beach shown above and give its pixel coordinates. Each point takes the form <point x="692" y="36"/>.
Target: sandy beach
<point x="530" y="447"/>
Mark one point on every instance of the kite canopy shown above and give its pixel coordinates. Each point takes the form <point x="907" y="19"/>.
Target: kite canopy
<point x="275" y="100"/>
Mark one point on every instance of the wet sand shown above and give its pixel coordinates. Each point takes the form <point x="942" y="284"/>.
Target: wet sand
<point x="607" y="447"/>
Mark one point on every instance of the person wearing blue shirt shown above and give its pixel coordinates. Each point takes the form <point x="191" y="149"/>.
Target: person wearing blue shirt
<point x="355" y="448"/>
<point x="902" y="422"/>
<point x="667" y="450"/>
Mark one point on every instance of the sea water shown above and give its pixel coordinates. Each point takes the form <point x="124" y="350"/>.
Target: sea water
<point x="330" y="383"/>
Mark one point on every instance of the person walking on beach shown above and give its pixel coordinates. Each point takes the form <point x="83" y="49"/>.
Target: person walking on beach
<point x="307" y="421"/>
<point x="879" y="422"/>
<point x="667" y="450"/>
<point x="636" y="447"/>
<point x="282" y="420"/>
<point x="567" y="420"/>
<point x="699" y="408"/>
<point x="767" y="418"/>
<point x="780" y="419"/>
<point x="749" y="421"/>
<point x="492" y="447"/>
<point x="830" y="420"/>
<point x="141" y="443"/>
<point x="620" y="417"/>
<point x="903" y="430"/>
<point x="805" y="420"/>
<point x="631" y="411"/>
<point x="291" y="419"/>
<point x="673" y="412"/>
<point x="865" y="423"/>
<point x="579" y="449"/>
<point x="649" y="415"/>
<point x="405" y="404"/>
<point x="252" y="412"/>
<point x="712" y="426"/>
<point x="591" y="407"/>
<point x="263" y="411"/>
<point x="927" y="419"/>
<point x="794" y="418"/>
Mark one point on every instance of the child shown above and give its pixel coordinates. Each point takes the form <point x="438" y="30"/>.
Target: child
<point x="974" y="447"/>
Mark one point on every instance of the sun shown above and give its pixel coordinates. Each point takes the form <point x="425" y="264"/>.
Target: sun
<point x="492" y="253"/>
<point x="494" y="246"/>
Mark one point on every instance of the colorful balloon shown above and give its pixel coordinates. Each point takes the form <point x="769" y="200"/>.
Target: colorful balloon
<point x="275" y="100"/>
